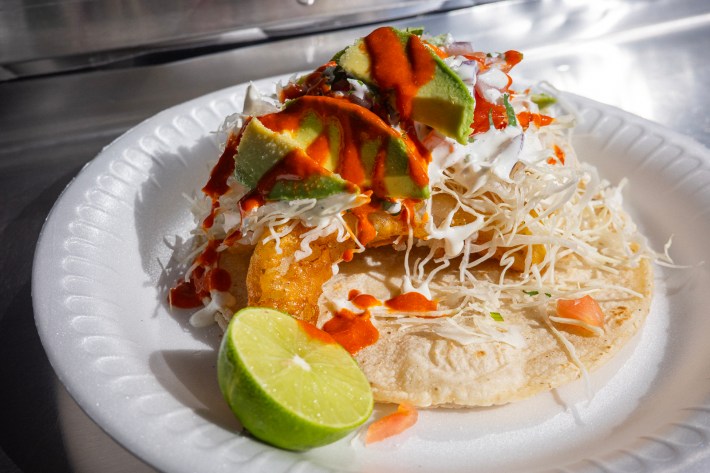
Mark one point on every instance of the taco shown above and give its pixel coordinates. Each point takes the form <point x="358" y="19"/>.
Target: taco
<point x="407" y="198"/>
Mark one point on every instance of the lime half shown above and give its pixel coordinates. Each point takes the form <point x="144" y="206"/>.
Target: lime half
<point x="289" y="383"/>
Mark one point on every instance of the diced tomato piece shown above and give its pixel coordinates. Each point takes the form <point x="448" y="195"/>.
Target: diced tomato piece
<point x="584" y="309"/>
<point x="512" y="58"/>
<point x="392" y="424"/>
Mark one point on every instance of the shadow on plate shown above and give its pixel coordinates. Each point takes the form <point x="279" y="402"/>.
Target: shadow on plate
<point x="194" y="384"/>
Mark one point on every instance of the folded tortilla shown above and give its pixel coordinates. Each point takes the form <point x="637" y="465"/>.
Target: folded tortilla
<point x="412" y="362"/>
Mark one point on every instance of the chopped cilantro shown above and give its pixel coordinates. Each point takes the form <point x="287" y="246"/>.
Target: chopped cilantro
<point x="535" y="293"/>
<point x="496" y="316"/>
<point x="415" y="30"/>
<point x="512" y="121"/>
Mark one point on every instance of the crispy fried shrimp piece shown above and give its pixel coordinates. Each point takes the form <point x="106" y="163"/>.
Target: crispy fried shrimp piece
<point x="280" y="282"/>
<point x="442" y="204"/>
<point x="235" y="260"/>
<point x="387" y="227"/>
<point x="537" y="256"/>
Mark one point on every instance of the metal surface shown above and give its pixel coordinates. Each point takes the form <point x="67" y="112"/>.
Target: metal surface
<point x="643" y="56"/>
<point x="54" y="35"/>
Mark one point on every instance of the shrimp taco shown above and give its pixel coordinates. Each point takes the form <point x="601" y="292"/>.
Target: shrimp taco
<point x="431" y="215"/>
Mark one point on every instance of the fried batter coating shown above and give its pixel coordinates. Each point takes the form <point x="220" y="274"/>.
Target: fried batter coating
<point x="280" y="282"/>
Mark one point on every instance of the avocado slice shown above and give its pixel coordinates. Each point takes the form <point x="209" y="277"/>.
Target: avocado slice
<point x="331" y="145"/>
<point x="276" y="165"/>
<point x="393" y="61"/>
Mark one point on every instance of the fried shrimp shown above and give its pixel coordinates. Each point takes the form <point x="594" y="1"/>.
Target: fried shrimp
<point x="276" y="279"/>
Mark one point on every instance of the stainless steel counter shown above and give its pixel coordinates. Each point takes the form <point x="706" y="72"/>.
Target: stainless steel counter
<point x="55" y="35"/>
<point x="647" y="57"/>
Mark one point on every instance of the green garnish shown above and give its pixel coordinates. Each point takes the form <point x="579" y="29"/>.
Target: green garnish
<point x="543" y="100"/>
<point x="535" y="293"/>
<point x="416" y="30"/>
<point x="496" y="316"/>
<point x="512" y="121"/>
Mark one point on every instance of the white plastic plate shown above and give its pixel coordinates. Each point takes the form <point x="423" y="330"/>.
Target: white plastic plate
<point x="103" y="266"/>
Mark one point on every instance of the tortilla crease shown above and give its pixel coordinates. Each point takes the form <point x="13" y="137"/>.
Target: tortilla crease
<point x="410" y="362"/>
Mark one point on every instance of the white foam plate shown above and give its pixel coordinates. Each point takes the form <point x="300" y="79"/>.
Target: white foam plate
<point x="103" y="266"/>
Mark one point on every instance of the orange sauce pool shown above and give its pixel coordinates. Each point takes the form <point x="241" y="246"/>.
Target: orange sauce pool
<point x="363" y="301"/>
<point x="411" y="302"/>
<point x="353" y="331"/>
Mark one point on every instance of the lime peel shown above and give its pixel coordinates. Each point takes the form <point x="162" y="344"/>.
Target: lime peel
<point x="289" y="383"/>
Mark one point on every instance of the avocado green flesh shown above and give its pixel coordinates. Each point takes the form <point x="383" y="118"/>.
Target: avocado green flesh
<point x="260" y="149"/>
<point x="313" y="187"/>
<point x="309" y="130"/>
<point x="444" y="103"/>
<point x="398" y="182"/>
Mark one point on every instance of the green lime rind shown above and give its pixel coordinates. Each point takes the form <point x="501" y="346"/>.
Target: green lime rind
<point x="287" y="387"/>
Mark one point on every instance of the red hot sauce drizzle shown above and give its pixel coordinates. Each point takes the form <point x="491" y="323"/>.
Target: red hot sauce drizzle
<point x="207" y="276"/>
<point x="366" y="232"/>
<point x="184" y="295"/>
<point x="402" y="68"/>
<point x="512" y="58"/>
<point x="357" y="126"/>
<point x="353" y="331"/>
<point x="356" y="331"/>
<point x="314" y="332"/>
<point x="525" y="118"/>
<point x="411" y="302"/>
<point x="485" y="112"/>
<point x="363" y="301"/>
<point x="217" y="184"/>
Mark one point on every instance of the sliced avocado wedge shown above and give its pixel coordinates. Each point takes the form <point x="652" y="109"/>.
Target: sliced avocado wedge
<point x="420" y="84"/>
<point x="276" y="165"/>
<point x="317" y="146"/>
<point x="259" y="149"/>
